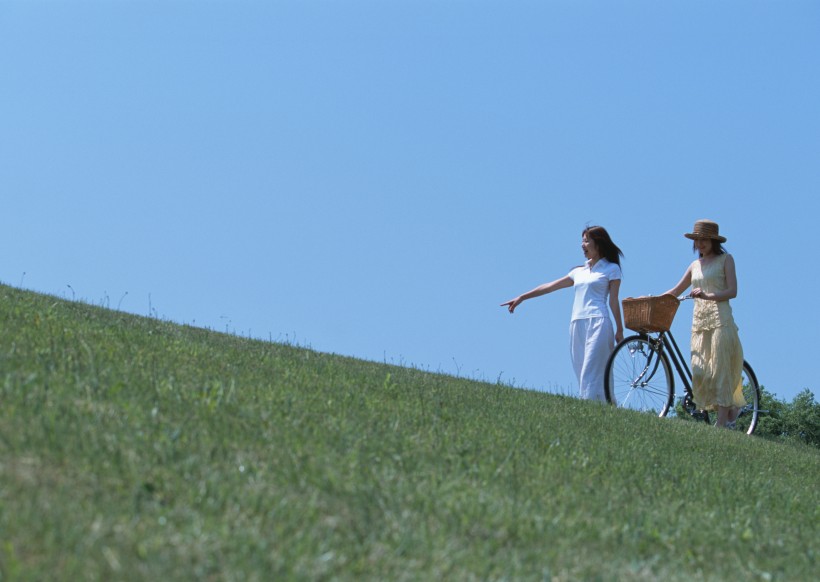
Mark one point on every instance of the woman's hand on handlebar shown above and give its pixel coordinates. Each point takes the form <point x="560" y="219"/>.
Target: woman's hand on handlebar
<point x="698" y="293"/>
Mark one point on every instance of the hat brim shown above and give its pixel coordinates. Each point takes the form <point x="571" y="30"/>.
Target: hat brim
<point x="693" y="236"/>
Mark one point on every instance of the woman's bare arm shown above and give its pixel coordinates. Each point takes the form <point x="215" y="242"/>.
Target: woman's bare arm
<point x="561" y="283"/>
<point x="683" y="284"/>
<point x="615" y="306"/>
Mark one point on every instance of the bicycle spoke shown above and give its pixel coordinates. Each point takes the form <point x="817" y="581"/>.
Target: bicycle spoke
<point x="638" y="377"/>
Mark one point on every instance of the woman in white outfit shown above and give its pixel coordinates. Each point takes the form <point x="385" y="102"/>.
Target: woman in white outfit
<point x="596" y="283"/>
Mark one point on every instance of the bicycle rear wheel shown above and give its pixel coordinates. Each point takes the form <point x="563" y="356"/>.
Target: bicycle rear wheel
<point x="638" y="376"/>
<point x="749" y="414"/>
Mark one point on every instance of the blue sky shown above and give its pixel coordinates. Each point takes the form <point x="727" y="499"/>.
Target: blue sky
<point x="373" y="178"/>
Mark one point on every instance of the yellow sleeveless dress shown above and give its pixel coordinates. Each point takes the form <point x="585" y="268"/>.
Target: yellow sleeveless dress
<point x="717" y="356"/>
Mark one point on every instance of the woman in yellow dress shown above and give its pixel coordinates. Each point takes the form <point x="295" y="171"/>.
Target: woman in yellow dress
<point x="717" y="356"/>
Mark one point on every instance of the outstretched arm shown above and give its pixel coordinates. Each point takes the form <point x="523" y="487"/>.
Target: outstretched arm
<point x="561" y="283"/>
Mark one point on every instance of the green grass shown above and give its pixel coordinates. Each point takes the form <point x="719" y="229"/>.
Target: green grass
<point x="137" y="449"/>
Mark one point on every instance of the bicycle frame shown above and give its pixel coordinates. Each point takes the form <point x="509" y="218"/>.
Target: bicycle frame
<point x="640" y="375"/>
<point x="663" y="340"/>
<point x="676" y="356"/>
<point x="660" y="341"/>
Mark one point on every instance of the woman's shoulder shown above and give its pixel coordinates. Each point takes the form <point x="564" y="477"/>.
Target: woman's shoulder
<point x="611" y="268"/>
<point x="575" y="269"/>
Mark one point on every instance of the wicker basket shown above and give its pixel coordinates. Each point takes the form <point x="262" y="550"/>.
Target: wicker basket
<point x="647" y="314"/>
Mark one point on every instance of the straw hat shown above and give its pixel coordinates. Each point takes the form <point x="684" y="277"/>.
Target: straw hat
<point x="705" y="229"/>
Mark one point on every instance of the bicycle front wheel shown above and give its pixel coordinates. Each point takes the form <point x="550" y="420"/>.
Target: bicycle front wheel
<point x="638" y="376"/>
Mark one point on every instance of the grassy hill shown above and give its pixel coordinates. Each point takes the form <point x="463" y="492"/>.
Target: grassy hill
<point x="137" y="449"/>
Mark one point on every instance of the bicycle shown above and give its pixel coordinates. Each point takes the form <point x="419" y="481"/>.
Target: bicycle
<point x="638" y="374"/>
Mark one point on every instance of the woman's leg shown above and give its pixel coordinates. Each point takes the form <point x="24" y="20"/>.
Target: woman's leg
<point x="600" y="340"/>
<point x="577" y="346"/>
<point x="699" y="347"/>
<point x="723" y="416"/>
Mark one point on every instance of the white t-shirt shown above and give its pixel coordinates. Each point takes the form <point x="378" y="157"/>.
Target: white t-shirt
<point x="592" y="288"/>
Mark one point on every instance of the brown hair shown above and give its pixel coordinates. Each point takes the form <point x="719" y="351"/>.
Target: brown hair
<point x="606" y="248"/>
<point x="717" y="247"/>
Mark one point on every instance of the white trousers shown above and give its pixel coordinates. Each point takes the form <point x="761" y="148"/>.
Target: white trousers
<point x="591" y="343"/>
